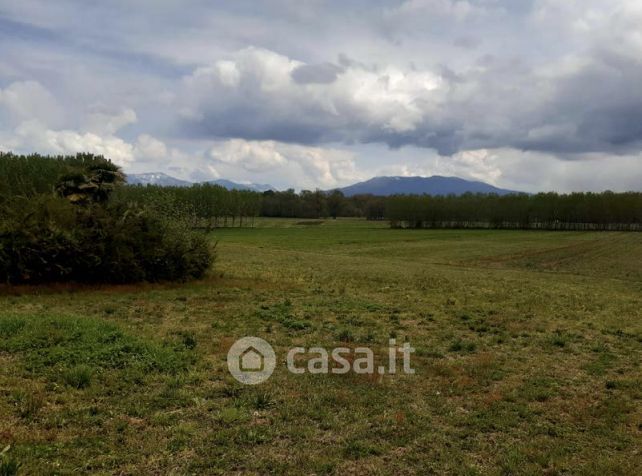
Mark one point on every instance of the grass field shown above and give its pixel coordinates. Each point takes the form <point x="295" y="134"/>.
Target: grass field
<point x="528" y="353"/>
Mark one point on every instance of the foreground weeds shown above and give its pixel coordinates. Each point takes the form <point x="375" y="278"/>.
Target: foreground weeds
<point x="528" y="359"/>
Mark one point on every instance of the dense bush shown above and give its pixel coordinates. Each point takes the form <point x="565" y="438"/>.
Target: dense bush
<point x="57" y="241"/>
<point x="75" y="233"/>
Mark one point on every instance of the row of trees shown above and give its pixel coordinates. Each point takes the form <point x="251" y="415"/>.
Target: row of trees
<point x="211" y="206"/>
<point x="319" y="204"/>
<point x="549" y="211"/>
<point x="214" y="206"/>
<point x="202" y="205"/>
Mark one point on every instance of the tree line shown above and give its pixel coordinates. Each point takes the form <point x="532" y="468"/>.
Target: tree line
<point x="543" y="211"/>
<point x="213" y="206"/>
<point x="202" y="205"/>
<point x="320" y="204"/>
<point x="210" y="206"/>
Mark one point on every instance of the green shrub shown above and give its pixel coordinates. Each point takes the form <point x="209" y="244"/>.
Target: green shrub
<point x="74" y="233"/>
<point x="58" y="241"/>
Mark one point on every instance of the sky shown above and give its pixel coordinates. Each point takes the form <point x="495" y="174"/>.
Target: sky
<point x="531" y="95"/>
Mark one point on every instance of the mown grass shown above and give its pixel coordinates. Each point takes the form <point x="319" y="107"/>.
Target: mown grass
<point x="527" y="362"/>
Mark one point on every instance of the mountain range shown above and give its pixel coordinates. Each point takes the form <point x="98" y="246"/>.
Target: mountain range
<point x="164" y="180"/>
<point x="228" y="184"/>
<point x="156" y="178"/>
<point x="435" y="185"/>
<point x="382" y="186"/>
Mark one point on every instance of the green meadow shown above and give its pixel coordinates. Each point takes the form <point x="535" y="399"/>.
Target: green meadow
<point x="528" y="354"/>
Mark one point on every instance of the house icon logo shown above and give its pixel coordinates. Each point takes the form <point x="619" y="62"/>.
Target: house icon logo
<point x="251" y="360"/>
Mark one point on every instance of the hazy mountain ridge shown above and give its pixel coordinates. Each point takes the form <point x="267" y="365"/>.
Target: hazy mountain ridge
<point x="156" y="178"/>
<point x="228" y="184"/>
<point x="381" y="186"/>
<point x="435" y="185"/>
<point x="164" y="180"/>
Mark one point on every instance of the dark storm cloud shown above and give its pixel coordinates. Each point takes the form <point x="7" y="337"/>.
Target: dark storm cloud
<point x="316" y="73"/>
<point x="593" y="107"/>
<point x="504" y="95"/>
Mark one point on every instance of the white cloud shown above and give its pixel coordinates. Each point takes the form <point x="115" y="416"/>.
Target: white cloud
<point x="445" y="9"/>
<point x="228" y="73"/>
<point x="323" y="167"/>
<point x="304" y="166"/>
<point x="25" y="100"/>
<point x="33" y="136"/>
<point x="475" y="164"/>
<point x="33" y="117"/>
<point x="251" y="155"/>
<point x="259" y="83"/>
<point x="266" y="69"/>
<point x="536" y="171"/>
<point x="101" y="122"/>
<point x="499" y="103"/>
<point x="149" y="148"/>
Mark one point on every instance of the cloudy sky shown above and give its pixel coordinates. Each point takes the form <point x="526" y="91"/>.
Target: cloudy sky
<point x="524" y="94"/>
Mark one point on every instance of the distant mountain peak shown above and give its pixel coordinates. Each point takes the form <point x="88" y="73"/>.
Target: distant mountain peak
<point x="156" y="178"/>
<point x="228" y="184"/>
<point x="381" y="185"/>
<point x="416" y="185"/>
<point x="164" y="180"/>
